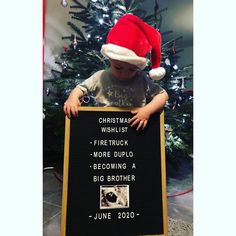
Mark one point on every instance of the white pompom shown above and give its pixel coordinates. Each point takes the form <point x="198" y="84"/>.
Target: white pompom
<point x="158" y="73"/>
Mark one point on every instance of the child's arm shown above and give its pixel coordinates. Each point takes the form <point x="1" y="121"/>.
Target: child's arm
<point x="72" y="103"/>
<point x="142" y="114"/>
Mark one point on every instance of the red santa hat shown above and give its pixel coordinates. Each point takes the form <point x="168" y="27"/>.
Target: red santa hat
<point x="130" y="40"/>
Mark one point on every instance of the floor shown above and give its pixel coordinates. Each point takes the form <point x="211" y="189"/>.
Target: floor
<point x="179" y="191"/>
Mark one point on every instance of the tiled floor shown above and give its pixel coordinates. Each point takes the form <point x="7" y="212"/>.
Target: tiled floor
<point x="179" y="207"/>
<point x="52" y="197"/>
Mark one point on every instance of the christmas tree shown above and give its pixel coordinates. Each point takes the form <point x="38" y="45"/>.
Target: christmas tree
<point x="81" y="57"/>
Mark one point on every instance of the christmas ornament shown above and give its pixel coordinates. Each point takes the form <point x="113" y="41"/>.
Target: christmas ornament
<point x="182" y="84"/>
<point x="130" y="40"/>
<point x="75" y="42"/>
<point x="99" y="38"/>
<point x="175" y="87"/>
<point x="174" y="105"/>
<point x="65" y="47"/>
<point x="168" y="128"/>
<point x="172" y="49"/>
<point x="64" y="65"/>
<point x="64" y="3"/>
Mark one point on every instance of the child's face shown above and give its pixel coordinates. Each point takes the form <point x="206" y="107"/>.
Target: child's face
<point x="122" y="70"/>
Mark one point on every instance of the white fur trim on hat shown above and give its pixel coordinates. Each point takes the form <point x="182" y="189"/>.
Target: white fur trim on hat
<point x="158" y="73"/>
<point x="116" y="52"/>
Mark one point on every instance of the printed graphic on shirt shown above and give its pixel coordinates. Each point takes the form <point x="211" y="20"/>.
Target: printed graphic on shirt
<point x="120" y="96"/>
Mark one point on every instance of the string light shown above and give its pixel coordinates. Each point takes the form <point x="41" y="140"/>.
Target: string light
<point x="105" y="15"/>
<point x="167" y="61"/>
<point x="47" y="91"/>
<point x="105" y="9"/>
<point x="101" y="21"/>
<point x="175" y="67"/>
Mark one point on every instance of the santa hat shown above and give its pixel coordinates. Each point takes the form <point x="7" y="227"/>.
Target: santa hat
<point x="130" y="40"/>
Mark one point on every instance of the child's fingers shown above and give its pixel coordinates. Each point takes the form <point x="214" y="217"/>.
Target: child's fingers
<point x="132" y="119"/>
<point x="74" y="111"/>
<point x="144" y="124"/>
<point x="68" y="113"/>
<point x="70" y="110"/>
<point x="64" y="108"/>
<point x="140" y="125"/>
<point x="135" y="122"/>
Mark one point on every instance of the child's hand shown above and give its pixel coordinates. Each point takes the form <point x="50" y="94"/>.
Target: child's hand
<point x="71" y="106"/>
<point x="140" y="118"/>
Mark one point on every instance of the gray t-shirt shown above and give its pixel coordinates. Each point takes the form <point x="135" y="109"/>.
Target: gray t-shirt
<point x="110" y="91"/>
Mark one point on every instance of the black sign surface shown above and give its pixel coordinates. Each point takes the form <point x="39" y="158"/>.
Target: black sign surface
<point x="114" y="176"/>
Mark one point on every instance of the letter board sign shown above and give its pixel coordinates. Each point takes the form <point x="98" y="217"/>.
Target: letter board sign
<point x="114" y="178"/>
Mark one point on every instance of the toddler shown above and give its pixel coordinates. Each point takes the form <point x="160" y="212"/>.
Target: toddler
<point x="124" y="84"/>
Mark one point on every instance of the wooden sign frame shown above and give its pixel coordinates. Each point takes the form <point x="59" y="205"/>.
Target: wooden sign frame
<point x="67" y="160"/>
